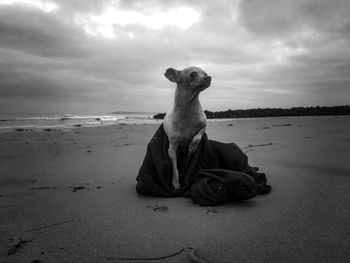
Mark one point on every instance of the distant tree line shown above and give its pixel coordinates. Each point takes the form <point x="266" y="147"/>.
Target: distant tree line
<point x="274" y="112"/>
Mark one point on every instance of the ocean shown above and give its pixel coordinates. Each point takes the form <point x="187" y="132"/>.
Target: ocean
<point x="15" y="121"/>
<point x="65" y="122"/>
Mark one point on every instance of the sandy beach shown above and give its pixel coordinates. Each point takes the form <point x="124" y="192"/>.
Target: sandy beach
<point x="69" y="196"/>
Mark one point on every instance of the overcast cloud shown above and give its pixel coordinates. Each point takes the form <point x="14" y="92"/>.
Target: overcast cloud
<point x="102" y="56"/>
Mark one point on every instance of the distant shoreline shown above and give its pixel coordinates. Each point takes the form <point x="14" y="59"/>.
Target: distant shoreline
<point x="274" y="112"/>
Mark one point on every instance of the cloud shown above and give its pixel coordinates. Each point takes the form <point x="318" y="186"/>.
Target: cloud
<point x="33" y="4"/>
<point x="283" y="18"/>
<point x="33" y="31"/>
<point x="82" y="57"/>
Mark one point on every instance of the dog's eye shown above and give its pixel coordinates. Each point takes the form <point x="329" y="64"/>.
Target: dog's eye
<point x="193" y="74"/>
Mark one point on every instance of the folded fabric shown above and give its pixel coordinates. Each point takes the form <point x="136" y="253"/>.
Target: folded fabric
<point x="216" y="173"/>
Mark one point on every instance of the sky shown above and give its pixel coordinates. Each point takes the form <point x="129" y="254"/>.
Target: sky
<point x="100" y="56"/>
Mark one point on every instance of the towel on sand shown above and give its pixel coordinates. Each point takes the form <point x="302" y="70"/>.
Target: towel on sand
<point x="216" y="173"/>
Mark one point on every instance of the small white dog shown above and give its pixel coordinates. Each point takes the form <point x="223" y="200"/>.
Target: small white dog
<point x="185" y="122"/>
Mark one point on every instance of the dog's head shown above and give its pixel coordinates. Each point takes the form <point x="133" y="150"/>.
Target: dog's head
<point x="192" y="78"/>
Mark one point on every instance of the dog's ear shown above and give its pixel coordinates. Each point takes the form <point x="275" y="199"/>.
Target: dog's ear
<point x="172" y="74"/>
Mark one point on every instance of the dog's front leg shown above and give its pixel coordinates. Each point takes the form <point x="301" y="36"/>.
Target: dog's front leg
<point x="192" y="147"/>
<point x="173" y="157"/>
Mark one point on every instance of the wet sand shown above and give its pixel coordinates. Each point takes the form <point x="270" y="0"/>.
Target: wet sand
<point x="69" y="196"/>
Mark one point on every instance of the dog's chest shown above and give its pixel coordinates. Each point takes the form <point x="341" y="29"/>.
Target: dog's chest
<point x="184" y="125"/>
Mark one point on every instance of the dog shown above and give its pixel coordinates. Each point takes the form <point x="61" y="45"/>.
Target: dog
<point x="185" y="122"/>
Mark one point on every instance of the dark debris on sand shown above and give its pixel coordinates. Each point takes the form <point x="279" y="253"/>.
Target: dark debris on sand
<point x="214" y="210"/>
<point x="76" y="188"/>
<point x="158" y="208"/>
<point x="42" y="188"/>
<point x="257" y="145"/>
<point x="17" y="244"/>
<point x="81" y="187"/>
<point x="286" y="124"/>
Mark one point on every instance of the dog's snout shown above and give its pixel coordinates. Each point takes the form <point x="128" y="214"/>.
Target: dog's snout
<point x="208" y="78"/>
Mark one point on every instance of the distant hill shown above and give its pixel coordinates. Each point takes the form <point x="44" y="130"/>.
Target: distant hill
<point x="274" y="112"/>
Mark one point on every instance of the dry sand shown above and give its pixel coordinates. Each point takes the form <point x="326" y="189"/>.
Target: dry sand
<point x="72" y="196"/>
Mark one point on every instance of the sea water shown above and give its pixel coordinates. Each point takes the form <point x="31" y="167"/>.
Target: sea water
<point x="15" y="121"/>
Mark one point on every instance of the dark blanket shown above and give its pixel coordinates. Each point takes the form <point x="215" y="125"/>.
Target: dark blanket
<point x="216" y="173"/>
